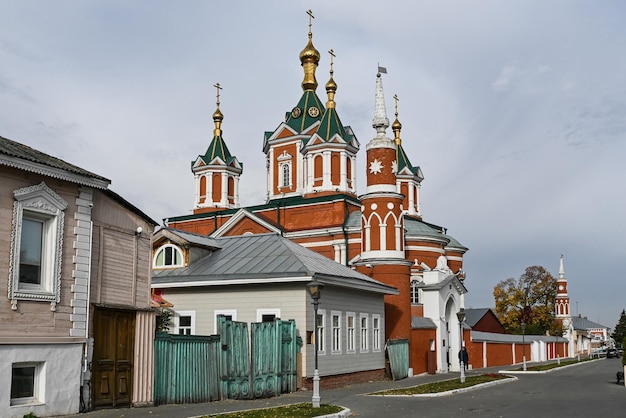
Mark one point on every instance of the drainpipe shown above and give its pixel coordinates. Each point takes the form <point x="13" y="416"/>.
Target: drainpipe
<point x="345" y="232"/>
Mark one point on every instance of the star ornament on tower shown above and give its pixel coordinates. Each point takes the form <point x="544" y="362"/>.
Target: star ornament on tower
<point x="376" y="167"/>
<point x="394" y="167"/>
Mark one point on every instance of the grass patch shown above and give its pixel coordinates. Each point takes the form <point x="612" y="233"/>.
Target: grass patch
<point x="550" y="366"/>
<point x="444" y="386"/>
<point x="299" y="410"/>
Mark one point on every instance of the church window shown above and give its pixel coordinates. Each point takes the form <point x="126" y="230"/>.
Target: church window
<point x="415" y="292"/>
<point x="285" y="171"/>
<point x="168" y="256"/>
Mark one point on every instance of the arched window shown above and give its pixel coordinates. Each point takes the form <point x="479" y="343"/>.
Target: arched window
<point x="285" y="175"/>
<point x="168" y="256"/>
<point x="415" y="292"/>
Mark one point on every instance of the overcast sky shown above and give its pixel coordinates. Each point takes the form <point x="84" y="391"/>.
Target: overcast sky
<point x="514" y="110"/>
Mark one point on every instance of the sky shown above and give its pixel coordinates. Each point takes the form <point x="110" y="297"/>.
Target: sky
<point x="515" y="111"/>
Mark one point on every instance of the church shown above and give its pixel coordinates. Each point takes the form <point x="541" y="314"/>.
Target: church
<point x="312" y="200"/>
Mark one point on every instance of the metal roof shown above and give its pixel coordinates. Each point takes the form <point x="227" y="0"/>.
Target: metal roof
<point x="473" y="315"/>
<point x="264" y="258"/>
<point x="511" y="338"/>
<point x="23" y="152"/>
<point x="418" y="322"/>
<point x="582" y="323"/>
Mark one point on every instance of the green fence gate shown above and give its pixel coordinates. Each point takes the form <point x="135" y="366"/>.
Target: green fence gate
<point x="192" y="368"/>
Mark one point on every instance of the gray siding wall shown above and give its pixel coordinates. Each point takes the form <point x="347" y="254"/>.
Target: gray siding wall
<point x="294" y="302"/>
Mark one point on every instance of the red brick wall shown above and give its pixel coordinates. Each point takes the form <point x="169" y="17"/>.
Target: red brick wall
<point x="419" y="349"/>
<point x="341" y="380"/>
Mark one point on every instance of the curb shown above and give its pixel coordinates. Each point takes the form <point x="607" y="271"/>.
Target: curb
<point x="454" y="391"/>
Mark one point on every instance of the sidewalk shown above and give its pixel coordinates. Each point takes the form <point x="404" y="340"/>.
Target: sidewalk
<point x="329" y="396"/>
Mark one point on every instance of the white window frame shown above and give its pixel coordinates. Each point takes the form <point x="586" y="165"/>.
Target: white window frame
<point x="38" y="384"/>
<point x="177" y="315"/>
<point x="416" y="297"/>
<point x="285" y="175"/>
<point x="41" y="203"/>
<point x="350" y="333"/>
<point x="336" y="347"/>
<point x="364" y="333"/>
<point x="376" y="334"/>
<point x="321" y="332"/>
<point x="226" y="312"/>
<point x="285" y="169"/>
<point x="161" y="250"/>
<point x="267" y="311"/>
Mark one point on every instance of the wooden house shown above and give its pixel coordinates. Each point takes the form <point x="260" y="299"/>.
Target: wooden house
<point x="77" y="326"/>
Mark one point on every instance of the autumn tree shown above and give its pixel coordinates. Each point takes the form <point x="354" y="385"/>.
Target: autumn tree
<point x="530" y="300"/>
<point x="620" y="329"/>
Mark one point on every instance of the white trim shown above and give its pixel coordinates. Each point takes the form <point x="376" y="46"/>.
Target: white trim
<point x="241" y="214"/>
<point x="231" y="282"/>
<point x="42" y="203"/>
<point x="178" y="314"/>
<point x="376" y="333"/>
<point x="321" y="348"/>
<point x="39" y="384"/>
<point x="227" y="312"/>
<point x="335" y="332"/>
<point x="364" y="346"/>
<point x="162" y="248"/>
<point x="351" y="336"/>
<point x="267" y="311"/>
<point x="57" y="173"/>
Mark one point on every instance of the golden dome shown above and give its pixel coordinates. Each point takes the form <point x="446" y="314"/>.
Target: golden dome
<point x="309" y="53"/>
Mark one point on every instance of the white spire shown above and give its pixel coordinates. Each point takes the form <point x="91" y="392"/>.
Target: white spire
<point x="380" y="121"/>
<point x="561" y="269"/>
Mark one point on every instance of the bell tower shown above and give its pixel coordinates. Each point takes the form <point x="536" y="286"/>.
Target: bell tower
<point x="382" y="223"/>
<point x="216" y="172"/>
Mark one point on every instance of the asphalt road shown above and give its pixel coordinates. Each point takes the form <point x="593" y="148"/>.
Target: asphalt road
<point x="585" y="390"/>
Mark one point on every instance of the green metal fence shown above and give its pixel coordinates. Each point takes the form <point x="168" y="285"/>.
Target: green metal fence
<point x="192" y="369"/>
<point x="398" y="353"/>
<point x="186" y="368"/>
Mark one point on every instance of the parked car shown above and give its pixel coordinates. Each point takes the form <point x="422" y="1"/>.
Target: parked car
<point x="611" y="352"/>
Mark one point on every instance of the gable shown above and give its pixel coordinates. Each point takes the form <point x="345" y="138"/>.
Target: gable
<point x="246" y="226"/>
<point x="244" y="222"/>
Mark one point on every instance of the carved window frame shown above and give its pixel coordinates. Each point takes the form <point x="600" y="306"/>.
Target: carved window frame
<point x="42" y="203"/>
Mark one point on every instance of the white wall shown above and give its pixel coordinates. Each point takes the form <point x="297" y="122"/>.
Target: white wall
<point x="60" y="388"/>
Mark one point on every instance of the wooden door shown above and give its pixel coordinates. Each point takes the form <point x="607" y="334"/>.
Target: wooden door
<point x="112" y="367"/>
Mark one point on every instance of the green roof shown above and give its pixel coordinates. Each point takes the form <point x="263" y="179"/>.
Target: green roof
<point x="301" y="119"/>
<point x="403" y="162"/>
<point x="331" y="126"/>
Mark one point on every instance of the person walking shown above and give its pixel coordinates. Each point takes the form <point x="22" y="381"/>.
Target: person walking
<point x="464" y="357"/>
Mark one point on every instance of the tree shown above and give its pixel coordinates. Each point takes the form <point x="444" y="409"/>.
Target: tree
<point x="529" y="299"/>
<point x="620" y="329"/>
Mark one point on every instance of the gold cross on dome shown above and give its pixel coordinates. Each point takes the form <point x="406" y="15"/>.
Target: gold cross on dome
<point x="332" y="55"/>
<point x="311" y="17"/>
<point x="218" y="87"/>
<point x="395" y="97"/>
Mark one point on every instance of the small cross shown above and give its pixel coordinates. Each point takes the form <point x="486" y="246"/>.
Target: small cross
<point x="395" y="97"/>
<point x="332" y="55"/>
<point x="311" y="17"/>
<point x="218" y="87"/>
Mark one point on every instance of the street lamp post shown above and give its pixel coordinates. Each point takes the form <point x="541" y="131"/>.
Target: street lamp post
<point x="315" y="289"/>
<point x="461" y="316"/>
<point x="524" y="344"/>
